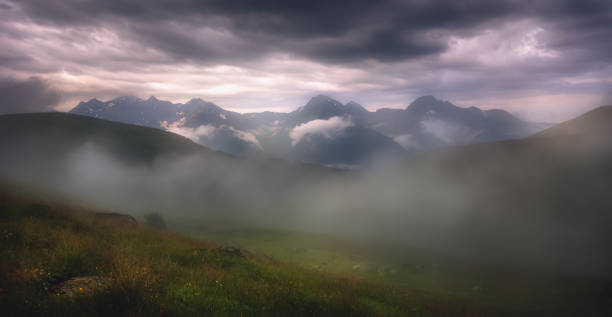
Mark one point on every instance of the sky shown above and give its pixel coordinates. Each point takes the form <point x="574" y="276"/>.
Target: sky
<point x="546" y="60"/>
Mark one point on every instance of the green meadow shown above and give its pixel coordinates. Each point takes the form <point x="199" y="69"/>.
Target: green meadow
<point x="438" y="275"/>
<point x="133" y="270"/>
<point x="138" y="271"/>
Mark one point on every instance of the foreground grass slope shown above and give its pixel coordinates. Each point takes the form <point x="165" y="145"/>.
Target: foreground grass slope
<point x="424" y="271"/>
<point x="142" y="272"/>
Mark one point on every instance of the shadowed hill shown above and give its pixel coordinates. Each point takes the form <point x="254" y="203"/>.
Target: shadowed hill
<point x="544" y="198"/>
<point x="119" y="165"/>
<point x="59" y="133"/>
<point x="595" y="122"/>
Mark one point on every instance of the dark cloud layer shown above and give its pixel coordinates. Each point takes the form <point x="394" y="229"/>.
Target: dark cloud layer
<point x="31" y="95"/>
<point x="334" y="31"/>
<point x="389" y="50"/>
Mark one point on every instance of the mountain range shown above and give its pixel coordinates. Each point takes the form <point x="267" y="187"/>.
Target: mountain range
<point x="322" y="131"/>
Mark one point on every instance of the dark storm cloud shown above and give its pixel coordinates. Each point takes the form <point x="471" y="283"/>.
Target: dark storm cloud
<point x="385" y="46"/>
<point x="381" y="30"/>
<point x="583" y="28"/>
<point x="31" y="95"/>
<point x="284" y="50"/>
<point x="334" y="31"/>
<point x="299" y="18"/>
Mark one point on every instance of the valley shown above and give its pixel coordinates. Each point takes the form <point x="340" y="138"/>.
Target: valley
<point x="477" y="250"/>
<point x="426" y="158"/>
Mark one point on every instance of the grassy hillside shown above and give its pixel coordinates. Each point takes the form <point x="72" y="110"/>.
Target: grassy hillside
<point x="426" y="272"/>
<point x="59" y="261"/>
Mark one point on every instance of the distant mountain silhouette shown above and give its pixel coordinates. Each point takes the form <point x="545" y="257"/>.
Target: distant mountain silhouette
<point x="425" y="124"/>
<point x="428" y="123"/>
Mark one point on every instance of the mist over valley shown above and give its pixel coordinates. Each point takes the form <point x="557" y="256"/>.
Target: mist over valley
<point x="305" y="158"/>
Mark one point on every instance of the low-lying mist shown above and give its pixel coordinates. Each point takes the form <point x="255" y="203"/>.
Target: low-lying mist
<point x="516" y="203"/>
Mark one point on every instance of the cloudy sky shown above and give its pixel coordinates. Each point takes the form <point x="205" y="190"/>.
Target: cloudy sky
<point x="544" y="60"/>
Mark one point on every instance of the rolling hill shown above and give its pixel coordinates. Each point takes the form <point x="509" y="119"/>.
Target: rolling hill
<point x="59" y="133"/>
<point x="114" y="165"/>
<point x="545" y="197"/>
